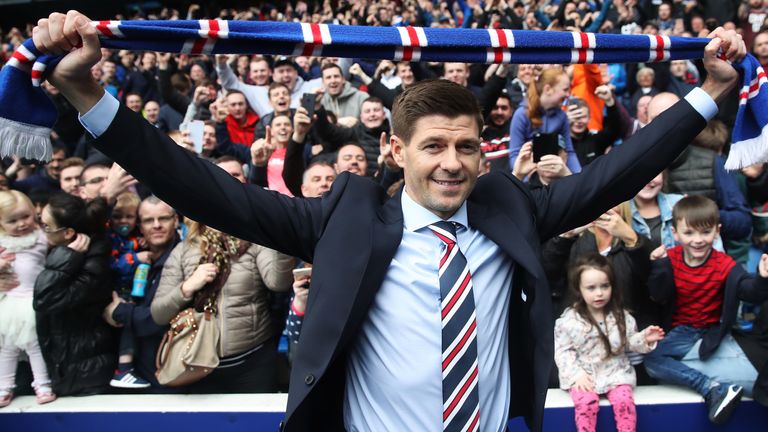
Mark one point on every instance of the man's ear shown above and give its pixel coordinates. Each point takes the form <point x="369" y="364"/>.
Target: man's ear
<point x="398" y="150"/>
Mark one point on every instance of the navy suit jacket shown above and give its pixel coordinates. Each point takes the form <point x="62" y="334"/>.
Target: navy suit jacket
<point x="352" y="234"/>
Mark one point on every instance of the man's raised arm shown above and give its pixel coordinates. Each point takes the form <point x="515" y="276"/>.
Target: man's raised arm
<point x="193" y="186"/>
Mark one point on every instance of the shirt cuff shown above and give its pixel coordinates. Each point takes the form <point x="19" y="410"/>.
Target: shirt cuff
<point x="97" y="120"/>
<point x="702" y="102"/>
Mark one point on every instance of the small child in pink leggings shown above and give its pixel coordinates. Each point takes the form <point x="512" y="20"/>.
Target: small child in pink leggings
<point x="591" y="338"/>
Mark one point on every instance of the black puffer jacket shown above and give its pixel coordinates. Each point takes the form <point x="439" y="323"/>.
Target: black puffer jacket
<point x="70" y="295"/>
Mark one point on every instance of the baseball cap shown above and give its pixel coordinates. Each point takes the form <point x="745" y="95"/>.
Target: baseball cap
<point x="284" y="60"/>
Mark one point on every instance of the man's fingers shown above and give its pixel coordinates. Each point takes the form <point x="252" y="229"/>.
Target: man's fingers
<point x="70" y="29"/>
<point x="56" y="33"/>
<point x="91" y="44"/>
<point x="42" y="37"/>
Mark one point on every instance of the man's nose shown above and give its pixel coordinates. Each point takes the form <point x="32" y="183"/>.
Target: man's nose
<point x="450" y="161"/>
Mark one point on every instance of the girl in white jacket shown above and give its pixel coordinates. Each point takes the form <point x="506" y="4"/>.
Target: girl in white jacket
<point x="591" y="338"/>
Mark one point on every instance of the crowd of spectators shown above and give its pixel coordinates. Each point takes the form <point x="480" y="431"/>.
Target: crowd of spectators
<point x="249" y="115"/>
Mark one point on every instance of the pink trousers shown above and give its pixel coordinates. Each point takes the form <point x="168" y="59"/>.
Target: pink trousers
<point x="586" y="405"/>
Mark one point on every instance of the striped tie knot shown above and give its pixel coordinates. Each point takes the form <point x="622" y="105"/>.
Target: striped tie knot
<point x="446" y="231"/>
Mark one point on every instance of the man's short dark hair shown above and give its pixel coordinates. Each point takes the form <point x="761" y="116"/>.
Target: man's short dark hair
<point x="152" y="199"/>
<point x="373" y="99"/>
<point x="314" y="164"/>
<point x="235" y="91"/>
<point x="350" y="143"/>
<point x="432" y="97"/>
<point x="331" y="66"/>
<point x="72" y="161"/>
<point x="698" y="212"/>
<point x="274" y="85"/>
<point x="127" y="95"/>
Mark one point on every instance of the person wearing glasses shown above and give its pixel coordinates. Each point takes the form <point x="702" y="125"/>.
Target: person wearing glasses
<point x="69" y="294"/>
<point x="92" y="180"/>
<point x="157" y="223"/>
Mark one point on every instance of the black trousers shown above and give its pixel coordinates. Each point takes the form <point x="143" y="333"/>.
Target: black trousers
<point x="255" y="372"/>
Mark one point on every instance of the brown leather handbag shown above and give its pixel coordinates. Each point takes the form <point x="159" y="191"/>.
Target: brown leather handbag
<point x="188" y="351"/>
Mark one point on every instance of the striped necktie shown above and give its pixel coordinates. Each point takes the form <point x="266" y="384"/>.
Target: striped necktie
<point x="461" y="400"/>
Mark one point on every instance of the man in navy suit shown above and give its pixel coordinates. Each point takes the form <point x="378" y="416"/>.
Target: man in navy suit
<point x="371" y="355"/>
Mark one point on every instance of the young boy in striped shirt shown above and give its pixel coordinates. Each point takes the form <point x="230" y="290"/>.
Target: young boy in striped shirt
<point x="701" y="289"/>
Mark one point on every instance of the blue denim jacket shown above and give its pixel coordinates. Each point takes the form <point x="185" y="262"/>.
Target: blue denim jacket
<point x="666" y="203"/>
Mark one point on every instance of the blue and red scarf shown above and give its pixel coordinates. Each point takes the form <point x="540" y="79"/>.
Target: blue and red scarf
<point x="26" y="114"/>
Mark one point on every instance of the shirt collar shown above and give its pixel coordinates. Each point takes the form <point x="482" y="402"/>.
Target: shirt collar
<point x="416" y="217"/>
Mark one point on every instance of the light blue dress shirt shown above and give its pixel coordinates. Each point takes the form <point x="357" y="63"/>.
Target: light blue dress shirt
<point x="394" y="375"/>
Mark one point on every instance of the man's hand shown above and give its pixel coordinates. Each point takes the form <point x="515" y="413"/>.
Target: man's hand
<point x="524" y="164"/>
<point x="301" y="125"/>
<point x="614" y="225"/>
<point x="605" y="93"/>
<point x="73" y="35"/>
<point x="753" y="171"/>
<point x="575" y="112"/>
<point x="762" y="266"/>
<point x="110" y="309"/>
<point x="219" y="111"/>
<point x="261" y="149"/>
<point x="385" y="154"/>
<point x="300" y="293"/>
<point x="80" y="243"/>
<point x="721" y="76"/>
<point x="659" y="253"/>
<point x="163" y="60"/>
<point x="144" y="257"/>
<point x="118" y="181"/>
<point x="551" y="166"/>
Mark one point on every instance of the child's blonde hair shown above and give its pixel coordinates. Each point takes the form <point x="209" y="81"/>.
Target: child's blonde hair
<point x="127" y="200"/>
<point x="10" y="199"/>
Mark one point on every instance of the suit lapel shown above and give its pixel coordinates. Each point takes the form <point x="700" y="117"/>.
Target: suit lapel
<point x="386" y="234"/>
<point x="503" y="231"/>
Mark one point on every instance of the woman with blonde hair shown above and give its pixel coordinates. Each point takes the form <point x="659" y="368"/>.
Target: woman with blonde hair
<point x="234" y="276"/>
<point x="541" y="113"/>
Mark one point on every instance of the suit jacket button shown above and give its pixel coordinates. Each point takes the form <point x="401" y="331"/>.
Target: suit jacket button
<point x="309" y="379"/>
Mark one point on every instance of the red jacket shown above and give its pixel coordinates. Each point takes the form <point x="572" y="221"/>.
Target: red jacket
<point x="242" y="134"/>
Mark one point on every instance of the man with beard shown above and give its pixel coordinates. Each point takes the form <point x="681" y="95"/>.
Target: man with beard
<point x="375" y="293"/>
<point x="351" y="158"/>
<point x="495" y="136"/>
